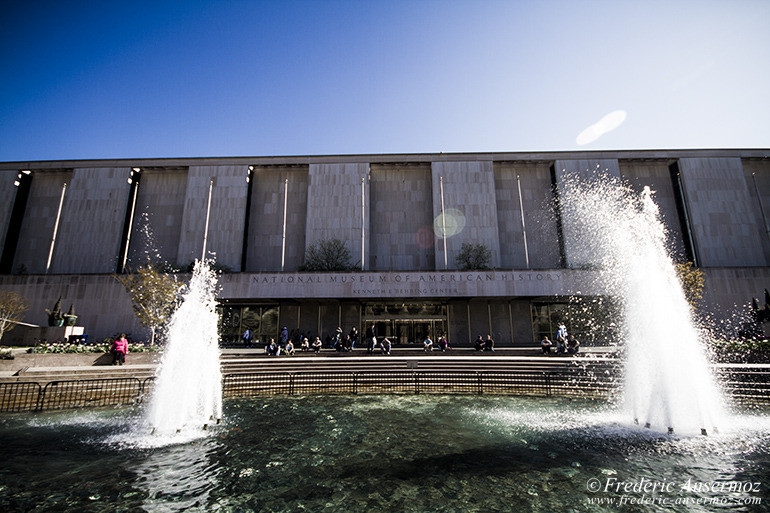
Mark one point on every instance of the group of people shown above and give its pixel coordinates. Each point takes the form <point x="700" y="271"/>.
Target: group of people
<point x="442" y="344"/>
<point x="482" y="344"/>
<point x="288" y="343"/>
<point x="565" y="343"/>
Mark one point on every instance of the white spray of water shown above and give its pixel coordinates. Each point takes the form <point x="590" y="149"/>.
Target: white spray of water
<point x="188" y="386"/>
<point x="668" y="382"/>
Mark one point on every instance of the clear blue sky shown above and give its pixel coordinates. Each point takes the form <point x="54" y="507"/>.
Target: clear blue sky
<point x="163" y="79"/>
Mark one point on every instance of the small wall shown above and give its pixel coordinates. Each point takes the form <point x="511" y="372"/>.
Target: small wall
<point x="73" y="360"/>
<point x="27" y="336"/>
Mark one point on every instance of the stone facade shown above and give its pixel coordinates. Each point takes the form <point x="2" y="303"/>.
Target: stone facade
<point x="337" y="207"/>
<point x="388" y="210"/>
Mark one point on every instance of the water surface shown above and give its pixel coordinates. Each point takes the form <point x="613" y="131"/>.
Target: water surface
<point x="377" y="453"/>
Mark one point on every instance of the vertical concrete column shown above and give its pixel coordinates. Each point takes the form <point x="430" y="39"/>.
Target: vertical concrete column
<point x="88" y="239"/>
<point x="7" y="196"/>
<point x="521" y="313"/>
<point x="722" y="217"/>
<point x="584" y="170"/>
<point x="226" y="219"/>
<point x="336" y="207"/>
<point x="470" y="208"/>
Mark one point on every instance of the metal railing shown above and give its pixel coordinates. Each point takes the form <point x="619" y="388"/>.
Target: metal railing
<point x="542" y="383"/>
<point x="745" y="386"/>
<point x="66" y="394"/>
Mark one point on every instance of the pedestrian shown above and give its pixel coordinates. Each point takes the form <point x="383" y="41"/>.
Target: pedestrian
<point x="489" y="343"/>
<point x="561" y="339"/>
<point x="427" y="345"/>
<point x="337" y="337"/>
<point x="371" y="339"/>
<point x="546" y="345"/>
<point x="246" y="338"/>
<point x="119" y="350"/>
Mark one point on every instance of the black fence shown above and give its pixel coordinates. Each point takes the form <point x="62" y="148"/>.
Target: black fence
<point x="545" y="384"/>
<point x="746" y="386"/>
<point x="81" y="393"/>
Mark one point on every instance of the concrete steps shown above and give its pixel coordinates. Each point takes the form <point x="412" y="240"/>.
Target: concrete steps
<point x="255" y="361"/>
<point x="246" y="365"/>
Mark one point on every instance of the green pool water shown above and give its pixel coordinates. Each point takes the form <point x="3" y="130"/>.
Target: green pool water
<point x="383" y="453"/>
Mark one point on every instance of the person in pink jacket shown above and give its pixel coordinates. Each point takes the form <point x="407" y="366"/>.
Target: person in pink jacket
<point x="119" y="350"/>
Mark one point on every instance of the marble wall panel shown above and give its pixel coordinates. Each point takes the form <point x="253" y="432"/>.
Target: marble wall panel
<point x="158" y="216"/>
<point x="92" y="221"/>
<point x="401" y="225"/>
<point x="726" y="225"/>
<point x="265" y="242"/>
<point x="576" y="253"/>
<point x="227" y="217"/>
<point x="39" y="220"/>
<point x="757" y="174"/>
<point x="539" y="218"/>
<point x="657" y="177"/>
<point x="468" y="187"/>
<point x="7" y="197"/>
<point x="101" y="303"/>
<point x="337" y="208"/>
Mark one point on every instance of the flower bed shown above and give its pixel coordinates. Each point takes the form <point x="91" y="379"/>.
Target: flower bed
<point x="742" y="351"/>
<point x="6" y="353"/>
<point x="102" y="347"/>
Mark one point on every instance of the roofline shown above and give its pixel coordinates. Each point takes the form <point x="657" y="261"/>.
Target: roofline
<point x="376" y="158"/>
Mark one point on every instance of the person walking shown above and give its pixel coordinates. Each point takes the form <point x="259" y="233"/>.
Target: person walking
<point x="371" y="339"/>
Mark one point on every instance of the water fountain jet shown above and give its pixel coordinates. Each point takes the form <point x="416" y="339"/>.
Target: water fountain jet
<point x="188" y="387"/>
<point x="610" y="228"/>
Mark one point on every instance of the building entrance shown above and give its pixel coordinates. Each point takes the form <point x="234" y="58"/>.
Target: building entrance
<point x="406" y="322"/>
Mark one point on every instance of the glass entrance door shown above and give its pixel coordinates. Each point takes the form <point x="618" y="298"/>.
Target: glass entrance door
<point x="406" y="323"/>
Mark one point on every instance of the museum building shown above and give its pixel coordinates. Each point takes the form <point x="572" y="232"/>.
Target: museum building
<point x="67" y="227"/>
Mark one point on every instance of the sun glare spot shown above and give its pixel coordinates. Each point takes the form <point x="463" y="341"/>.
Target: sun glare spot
<point x="608" y="123"/>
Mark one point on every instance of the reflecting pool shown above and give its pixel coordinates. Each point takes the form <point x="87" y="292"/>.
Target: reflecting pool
<point x="383" y="453"/>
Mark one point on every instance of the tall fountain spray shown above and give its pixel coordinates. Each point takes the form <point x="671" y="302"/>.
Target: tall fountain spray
<point x="188" y="387"/>
<point x="668" y="384"/>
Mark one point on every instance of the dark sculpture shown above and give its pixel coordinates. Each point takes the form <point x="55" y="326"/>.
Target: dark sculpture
<point x="58" y="319"/>
<point x="761" y="314"/>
